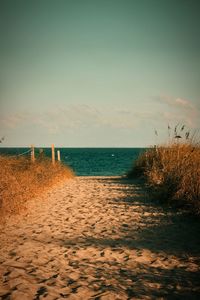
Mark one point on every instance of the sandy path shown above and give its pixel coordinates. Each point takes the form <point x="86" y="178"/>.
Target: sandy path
<point x="99" y="238"/>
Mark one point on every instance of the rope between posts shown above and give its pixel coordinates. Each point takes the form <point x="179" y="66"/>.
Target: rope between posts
<point x="23" y="153"/>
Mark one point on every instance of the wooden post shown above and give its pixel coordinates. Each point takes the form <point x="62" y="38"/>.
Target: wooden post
<point x="53" y="154"/>
<point x="58" y="155"/>
<point x="32" y="153"/>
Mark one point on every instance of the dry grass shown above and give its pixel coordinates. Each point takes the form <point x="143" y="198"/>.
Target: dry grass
<point x="22" y="180"/>
<point x="173" y="173"/>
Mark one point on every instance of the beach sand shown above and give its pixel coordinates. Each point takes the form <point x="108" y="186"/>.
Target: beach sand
<point x="99" y="238"/>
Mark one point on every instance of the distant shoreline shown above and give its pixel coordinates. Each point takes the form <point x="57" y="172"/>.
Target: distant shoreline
<point x="24" y="147"/>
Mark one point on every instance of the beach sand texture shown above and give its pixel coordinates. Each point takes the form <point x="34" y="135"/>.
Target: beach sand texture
<point x="99" y="238"/>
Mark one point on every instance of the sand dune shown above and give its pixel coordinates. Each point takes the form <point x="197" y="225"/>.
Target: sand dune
<point x="99" y="238"/>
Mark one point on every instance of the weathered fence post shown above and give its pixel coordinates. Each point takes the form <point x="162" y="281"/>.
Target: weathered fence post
<point x="32" y="153"/>
<point x="53" y="154"/>
<point x="58" y="155"/>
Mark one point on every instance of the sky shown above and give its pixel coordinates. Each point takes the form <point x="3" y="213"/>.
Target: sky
<point x="98" y="73"/>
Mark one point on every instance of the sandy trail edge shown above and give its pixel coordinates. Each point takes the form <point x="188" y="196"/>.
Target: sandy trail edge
<point x="99" y="238"/>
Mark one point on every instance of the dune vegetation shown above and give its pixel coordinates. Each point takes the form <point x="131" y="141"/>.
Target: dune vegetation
<point x="172" y="170"/>
<point x="21" y="180"/>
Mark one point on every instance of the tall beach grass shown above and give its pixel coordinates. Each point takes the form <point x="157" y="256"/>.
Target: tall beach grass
<point x="21" y="180"/>
<point x="173" y="170"/>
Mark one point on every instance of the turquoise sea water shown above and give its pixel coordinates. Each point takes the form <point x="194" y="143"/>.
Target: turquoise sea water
<point x="90" y="161"/>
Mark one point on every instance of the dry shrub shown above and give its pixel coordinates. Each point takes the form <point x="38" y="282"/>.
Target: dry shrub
<point x="22" y="180"/>
<point x="173" y="172"/>
<point x="139" y="166"/>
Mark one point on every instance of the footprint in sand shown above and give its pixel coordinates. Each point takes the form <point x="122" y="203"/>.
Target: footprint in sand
<point x="92" y="239"/>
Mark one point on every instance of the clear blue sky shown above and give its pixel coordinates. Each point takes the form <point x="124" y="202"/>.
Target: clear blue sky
<point x="98" y="73"/>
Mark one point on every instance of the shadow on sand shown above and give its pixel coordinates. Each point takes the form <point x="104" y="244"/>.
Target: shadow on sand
<point x="160" y="230"/>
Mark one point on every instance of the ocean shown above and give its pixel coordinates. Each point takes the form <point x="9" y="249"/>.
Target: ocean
<point x="90" y="161"/>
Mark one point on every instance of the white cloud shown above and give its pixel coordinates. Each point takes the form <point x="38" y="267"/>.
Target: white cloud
<point x="12" y="120"/>
<point x="76" y="117"/>
<point x="180" y="110"/>
<point x="81" y="120"/>
<point x="183" y="102"/>
<point x="175" y="102"/>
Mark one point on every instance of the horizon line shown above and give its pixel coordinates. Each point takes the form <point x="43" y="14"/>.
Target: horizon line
<point x="78" y="147"/>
